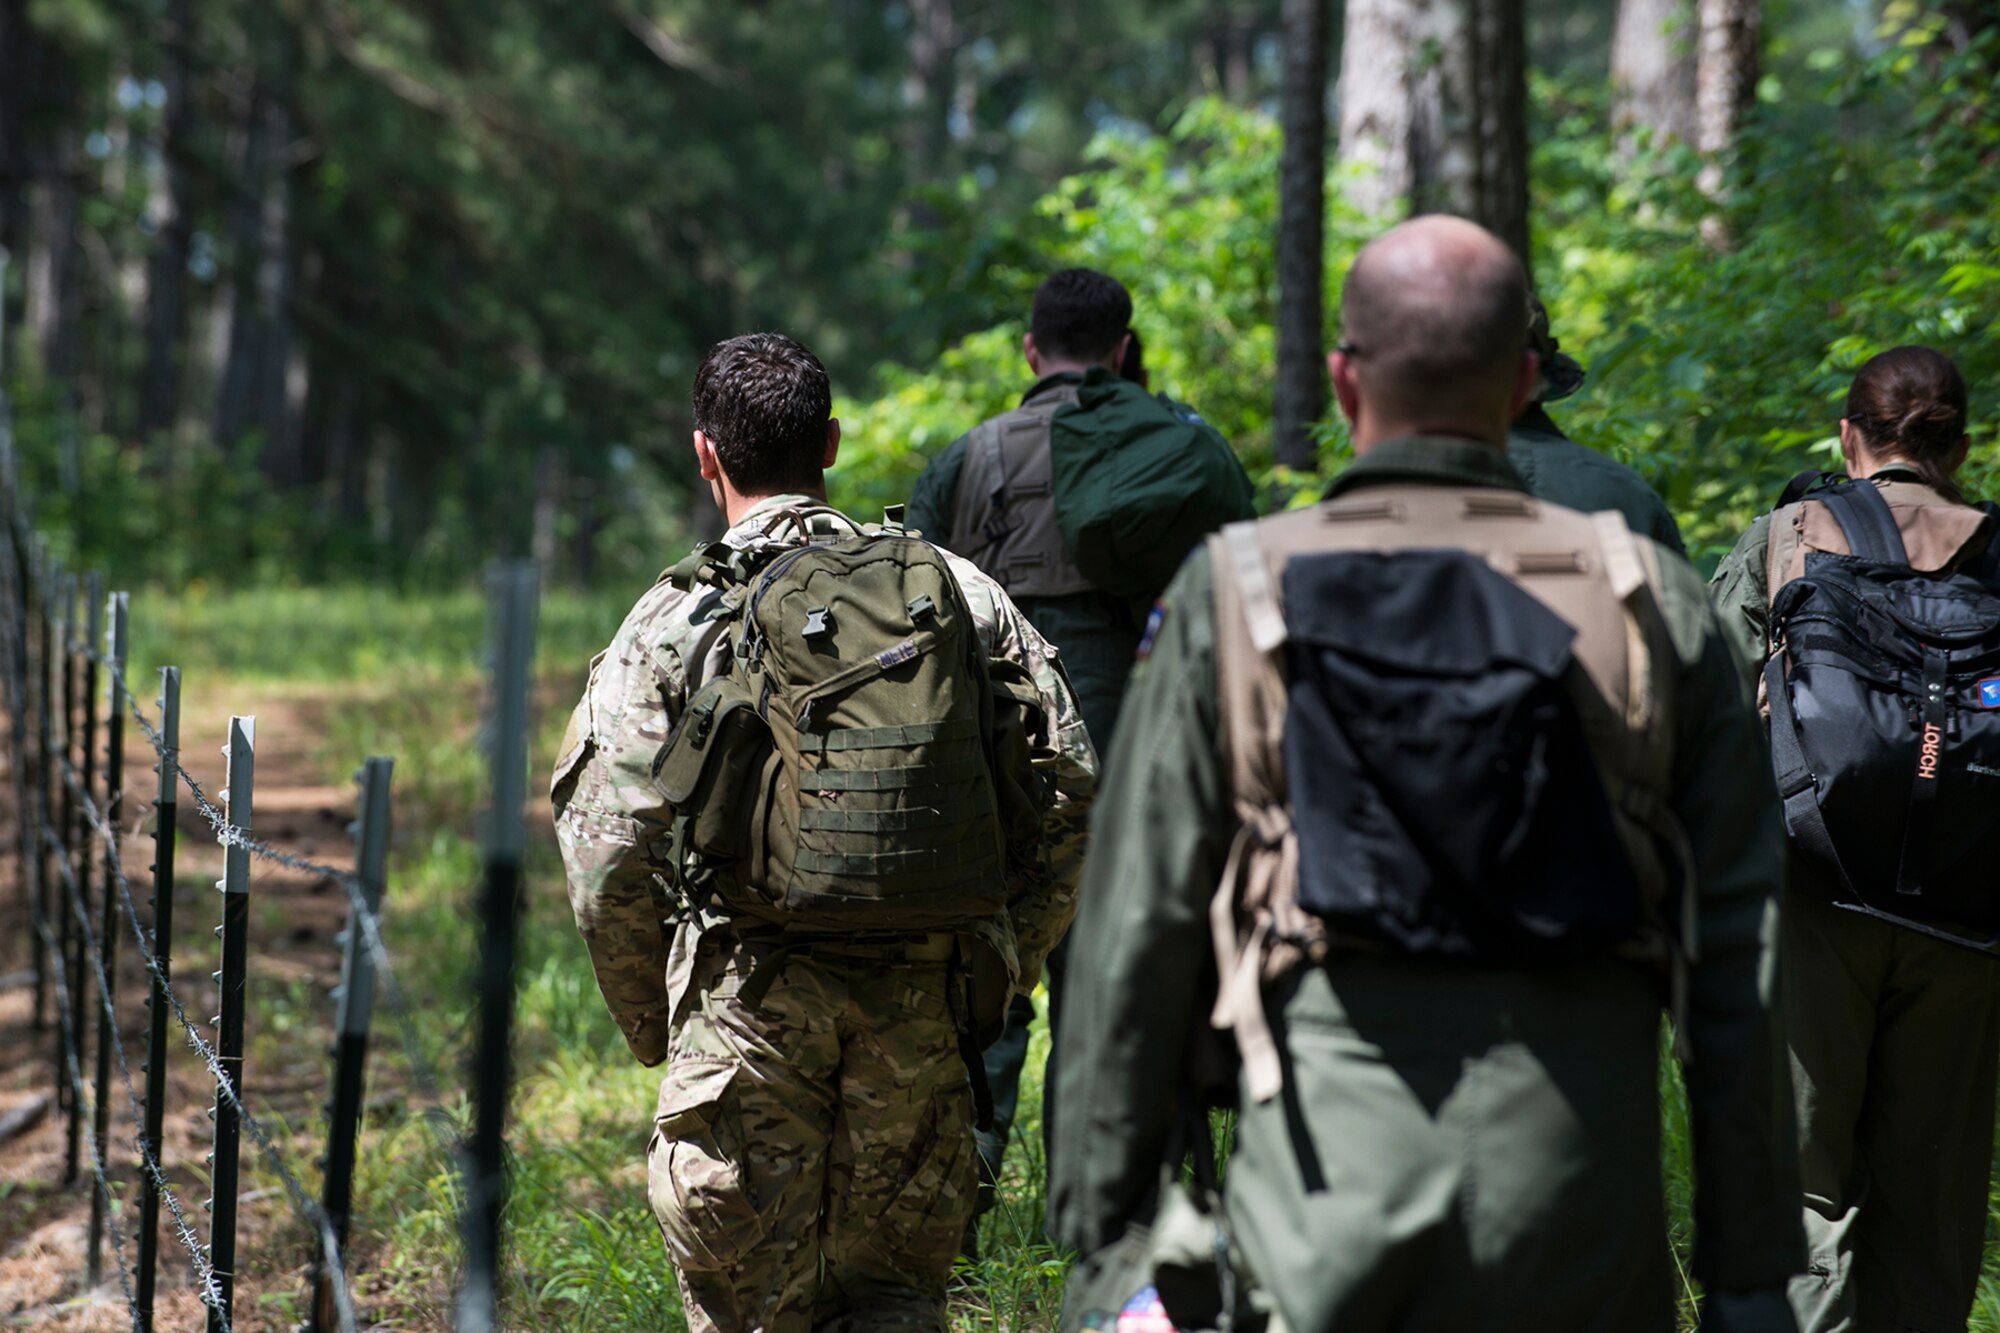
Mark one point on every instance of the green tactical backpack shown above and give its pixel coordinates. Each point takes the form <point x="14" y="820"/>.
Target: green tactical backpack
<point x="862" y="765"/>
<point x="1139" y="481"/>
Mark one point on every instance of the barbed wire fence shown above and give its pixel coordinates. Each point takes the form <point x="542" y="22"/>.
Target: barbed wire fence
<point x="61" y="674"/>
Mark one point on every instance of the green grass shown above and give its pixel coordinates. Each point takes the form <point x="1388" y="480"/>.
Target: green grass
<point x="351" y="633"/>
<point x="402" y="677"/>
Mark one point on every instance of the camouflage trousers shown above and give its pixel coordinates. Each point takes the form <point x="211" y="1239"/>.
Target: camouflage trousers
<point x="812" y="1162"/>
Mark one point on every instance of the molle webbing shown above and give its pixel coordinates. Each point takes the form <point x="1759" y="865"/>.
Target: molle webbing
<point x="1586" y="568"/>
<point x="1005" y="521"/>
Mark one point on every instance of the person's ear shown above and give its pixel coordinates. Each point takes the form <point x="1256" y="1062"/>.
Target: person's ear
<point x="1526" y="380"/>
<point x="832" y="443"/>
<point x="1958" y="453"/>
<point x="1847" y="445"/>
<point x="704" y="454"/>
<point x="1340" y="368"/>
<point x="1029" y="351"/>
<point x="1117" y="361"/>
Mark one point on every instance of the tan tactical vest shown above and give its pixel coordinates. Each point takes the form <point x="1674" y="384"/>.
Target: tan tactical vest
<point x="1936" y="532"/>
<point x="1588" y="568"/>
<point x="1005" y="521"/>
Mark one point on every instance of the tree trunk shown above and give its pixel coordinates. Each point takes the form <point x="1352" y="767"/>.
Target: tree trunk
<point x="1652" y="69"/>
<point x="1725" y="85"/>
<point x="167" y="273"/>
<point x="1434" y="102"/>
<point x="1301" y="386"/>
<point x="933" y="55"/>
<point x="15" y="173"/>
<point x="260" y="386"/>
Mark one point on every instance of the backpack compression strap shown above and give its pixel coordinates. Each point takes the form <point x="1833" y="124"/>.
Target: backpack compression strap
<point x="1796" y="787"/>
<point x="1866" y="521"/>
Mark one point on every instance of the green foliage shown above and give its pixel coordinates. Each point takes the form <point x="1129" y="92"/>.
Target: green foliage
<point x="1718" y="373"/>
<point x="1721" y="373"/>
<point x="1186" y="220"/>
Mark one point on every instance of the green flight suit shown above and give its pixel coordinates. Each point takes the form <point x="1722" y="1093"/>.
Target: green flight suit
<point x="1462" y="1149"/>
<point x="1557" y="468"/>
<point x="1895" y="1043"/>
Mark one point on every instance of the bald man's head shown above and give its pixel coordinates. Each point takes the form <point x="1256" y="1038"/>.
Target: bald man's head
<point x="1431" y="324"/>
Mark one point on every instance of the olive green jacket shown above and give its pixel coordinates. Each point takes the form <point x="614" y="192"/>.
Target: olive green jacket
<point x="1557" y="468"/>
<point x="1164" y="822"/>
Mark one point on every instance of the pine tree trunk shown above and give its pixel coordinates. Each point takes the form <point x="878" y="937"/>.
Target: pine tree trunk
<point x="167" y="273"/>
<point x="1725" y="86"/>
<point x="261" y="386"/>
<point x="15" y="172"/>
<point x="1434" y="104"/>
<point x="933" y="54"/>
<point x="1652" y="69"/>
<point x="1301" y="382"/>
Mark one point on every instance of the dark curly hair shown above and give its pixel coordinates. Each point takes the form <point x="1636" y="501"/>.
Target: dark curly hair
<point x="764" y="400"/>
<point x="1080" y="314"/>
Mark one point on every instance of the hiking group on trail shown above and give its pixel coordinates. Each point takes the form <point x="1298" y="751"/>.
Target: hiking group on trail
<point x="1392" y="824"/>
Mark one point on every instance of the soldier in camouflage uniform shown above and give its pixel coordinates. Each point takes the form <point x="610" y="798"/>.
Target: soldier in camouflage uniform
<point x="812" y="1161"/>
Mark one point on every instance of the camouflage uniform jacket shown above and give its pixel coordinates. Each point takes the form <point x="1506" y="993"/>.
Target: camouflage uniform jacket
<point x="614" y="828"/>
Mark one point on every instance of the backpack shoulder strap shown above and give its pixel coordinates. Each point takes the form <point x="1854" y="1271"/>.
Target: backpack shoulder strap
<point x="1251" y="572"/>
<point x="1866" y="520"/>
<point x="1804" y="484"/>
<point x="1986" y="565"/>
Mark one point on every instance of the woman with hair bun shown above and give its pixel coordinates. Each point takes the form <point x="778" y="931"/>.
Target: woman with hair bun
<point x="1893" y="1028"/>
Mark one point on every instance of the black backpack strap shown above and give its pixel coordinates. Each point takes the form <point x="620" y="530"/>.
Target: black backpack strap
<point x="1935" y="714"/>
<point x="1799" y="487"/>
<point x="1867" y="522"/>
<point x="1796" y="787"/>
<point x="1986" y="566"/>
<point x="1989" y="946"/>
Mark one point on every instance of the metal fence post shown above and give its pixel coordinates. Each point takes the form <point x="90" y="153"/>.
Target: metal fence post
<point x="513" y="630"/>
<point x="166" y="807"/>
<point x="107" y="940"/>
<point x="45" y="667"/>
<point x="235" y="886"/>
<point x="27" y="725"/>
<point x="77" y="839"/>
<point x="357" y="1005"/>
<point x="66" y="1095"/>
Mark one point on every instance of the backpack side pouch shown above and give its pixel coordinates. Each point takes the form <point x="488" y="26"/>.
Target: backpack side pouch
<point x="709" y="770"/>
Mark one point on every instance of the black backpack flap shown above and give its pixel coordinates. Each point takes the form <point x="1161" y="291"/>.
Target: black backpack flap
<point x="1445" y="798"/>
<point x="1885" y="733"/>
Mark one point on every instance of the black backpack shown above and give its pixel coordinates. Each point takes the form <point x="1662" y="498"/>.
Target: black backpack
<point x="1884" y="689"/>
<point x="1446" y="799"/>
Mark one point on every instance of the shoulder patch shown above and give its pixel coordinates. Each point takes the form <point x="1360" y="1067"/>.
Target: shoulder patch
<point x="1154" y="619"/>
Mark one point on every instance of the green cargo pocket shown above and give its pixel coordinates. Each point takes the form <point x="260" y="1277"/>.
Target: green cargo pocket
<point x="710" y="768"/>
<point x="694" y="1170"/>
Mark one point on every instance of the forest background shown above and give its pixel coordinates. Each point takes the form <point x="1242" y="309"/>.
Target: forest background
<point x="382" y="289"/>
<point x="313" y="307"/>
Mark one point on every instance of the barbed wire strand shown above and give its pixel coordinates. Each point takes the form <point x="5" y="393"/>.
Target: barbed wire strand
<point x="307" y="1208"/>
<point x="365" y="917"/>
<point x="96" y="1162"/>
<point x="211" y="1291"/>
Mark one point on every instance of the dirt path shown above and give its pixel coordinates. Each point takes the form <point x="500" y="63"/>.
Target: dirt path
<point x="295" y="916"/>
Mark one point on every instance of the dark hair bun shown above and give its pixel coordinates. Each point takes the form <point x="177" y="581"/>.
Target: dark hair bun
<point x="1909" y="403"/>
<point x="1930" y="425"/>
